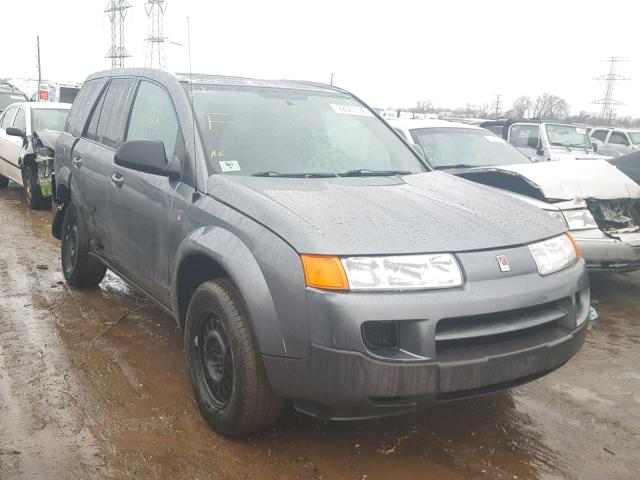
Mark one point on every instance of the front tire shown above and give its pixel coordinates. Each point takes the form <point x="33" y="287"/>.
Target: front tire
<point x="32" y="190"/>
<point x="228" y="378"/>
<point x="80" y="268"/>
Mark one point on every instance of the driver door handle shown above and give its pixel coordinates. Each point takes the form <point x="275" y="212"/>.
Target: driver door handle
<point x="117" y="179"/>
<point x="77" y="161"/>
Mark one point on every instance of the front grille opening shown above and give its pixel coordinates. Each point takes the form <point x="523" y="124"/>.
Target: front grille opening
<point x="448" y="345"/>
<point x="498" y="327"/>
<point x="380" y="335"/>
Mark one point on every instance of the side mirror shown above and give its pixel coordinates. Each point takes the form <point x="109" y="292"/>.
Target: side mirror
<point x="419" y="150"/>
<point x="15" y="132"/>
<point x="595" y="147"/>
<point x="147" y="156"/>
<point x="540" y="151"/>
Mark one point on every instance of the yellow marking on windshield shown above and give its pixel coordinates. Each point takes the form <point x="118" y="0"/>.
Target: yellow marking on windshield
<point x="217" y="153"/>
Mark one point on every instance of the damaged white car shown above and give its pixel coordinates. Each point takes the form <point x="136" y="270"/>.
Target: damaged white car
<point x="599" y="204"/>
<point x="28" y="133"/>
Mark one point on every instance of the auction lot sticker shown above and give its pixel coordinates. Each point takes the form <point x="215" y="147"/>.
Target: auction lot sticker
<point x="351" y="110"/>
<point x="229" y="166"/>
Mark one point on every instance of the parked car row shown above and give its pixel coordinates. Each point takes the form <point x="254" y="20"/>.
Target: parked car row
<point x="312" y="252"/>
<point x="598" y="203"/>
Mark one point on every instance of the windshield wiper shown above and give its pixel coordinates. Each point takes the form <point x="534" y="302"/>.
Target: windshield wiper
<point x="365" y="172"/>
<point x="457" y="165"/>
<point x="271" y="173"/>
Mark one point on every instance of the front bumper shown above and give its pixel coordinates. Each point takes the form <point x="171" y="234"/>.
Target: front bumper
<point x="604" y="252"/>
<point x="344" y="378"/>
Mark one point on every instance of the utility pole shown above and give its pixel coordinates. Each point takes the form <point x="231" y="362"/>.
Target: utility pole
<point x="331" y="81"/>
<point x="39" y="69"/>
<point x="498" y="97"/>
<point x="610" y="79"/>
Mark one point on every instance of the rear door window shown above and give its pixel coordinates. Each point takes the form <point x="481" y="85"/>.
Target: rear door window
<point x="83" y="105"/>
<point x="153" y="117"/>
<point x="618" y="138"/>
<point x="114" y="112"/>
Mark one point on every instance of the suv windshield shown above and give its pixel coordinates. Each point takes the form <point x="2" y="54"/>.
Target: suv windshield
<point x="284" y="132"/>
<point x="7" y="98"/>
<point x="48" y="119"/>
<point x="635" y="137"/>
<point x="465" y="147"/>
<point x="568" y="136"/>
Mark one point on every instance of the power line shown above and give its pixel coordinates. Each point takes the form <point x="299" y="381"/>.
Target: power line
<point x="611" y="78"/>
<point x="117" y="11"/>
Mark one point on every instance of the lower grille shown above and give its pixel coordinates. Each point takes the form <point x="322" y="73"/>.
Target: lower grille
<point x="487" y="329"/>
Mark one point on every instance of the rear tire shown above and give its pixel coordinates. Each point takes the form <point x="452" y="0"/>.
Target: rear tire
<point x="80" y="268"/>
<point x="32" y="191"/>
<point x="4" y="182"/>
<point x="225" y="367"/>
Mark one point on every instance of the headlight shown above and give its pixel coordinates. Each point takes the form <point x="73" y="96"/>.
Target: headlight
<point x="399" y="272"/>
<point x="557" y="214"/>
<point x="554" y="254"/>
<point x="579" y="219"/>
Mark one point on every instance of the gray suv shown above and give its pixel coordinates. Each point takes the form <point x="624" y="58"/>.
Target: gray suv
<point x="308" y="252"/>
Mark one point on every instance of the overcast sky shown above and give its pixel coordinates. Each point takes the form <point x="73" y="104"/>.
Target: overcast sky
<point x="388" y="53"/>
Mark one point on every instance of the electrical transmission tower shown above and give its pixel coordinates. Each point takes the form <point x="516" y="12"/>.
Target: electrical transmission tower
<point x="155" y="55"/>
<point x="117" y="11"/>
<point x="610" y="79"/>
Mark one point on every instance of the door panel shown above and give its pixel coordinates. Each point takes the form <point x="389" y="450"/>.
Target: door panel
<point x="141" y="205"/>
<point x="9" y="148"/>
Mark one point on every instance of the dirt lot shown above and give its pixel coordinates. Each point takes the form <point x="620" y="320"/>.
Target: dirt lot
<point x="75" y="405"/>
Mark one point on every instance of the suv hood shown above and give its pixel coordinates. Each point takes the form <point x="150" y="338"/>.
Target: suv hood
<point x="422" y="213"/>
<point x="561" y="180"/>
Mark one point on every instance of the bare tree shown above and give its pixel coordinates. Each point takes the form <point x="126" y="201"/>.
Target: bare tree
<point x="521" y="107"/>
<point x="550" y="107"/>
<point x="425" y="106"/>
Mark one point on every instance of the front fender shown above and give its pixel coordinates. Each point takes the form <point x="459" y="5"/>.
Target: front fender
<point x="268" y="274"/>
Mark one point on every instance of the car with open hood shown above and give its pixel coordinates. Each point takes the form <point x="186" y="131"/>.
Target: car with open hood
<point x="306" y="251"/>
<point x="597" y="202"/>
<point x="28" y="134"/>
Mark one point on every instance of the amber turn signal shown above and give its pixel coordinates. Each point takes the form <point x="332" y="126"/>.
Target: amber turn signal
<point x="324" y="271"/>
<point x="575" y="244"/>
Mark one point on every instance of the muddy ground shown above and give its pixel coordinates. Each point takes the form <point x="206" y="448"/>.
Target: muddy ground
<point x="77" y="405"/>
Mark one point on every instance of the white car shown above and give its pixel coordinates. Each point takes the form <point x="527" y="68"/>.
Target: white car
<point x="621" y="140"/>
<point x="28" y="132"/>
<point x="598" y="203"/>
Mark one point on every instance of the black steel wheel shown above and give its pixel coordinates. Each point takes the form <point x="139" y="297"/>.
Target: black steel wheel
<point x="217" y="363"/>
<point x="229" y="382"/>
<point x="80" y="268"/>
